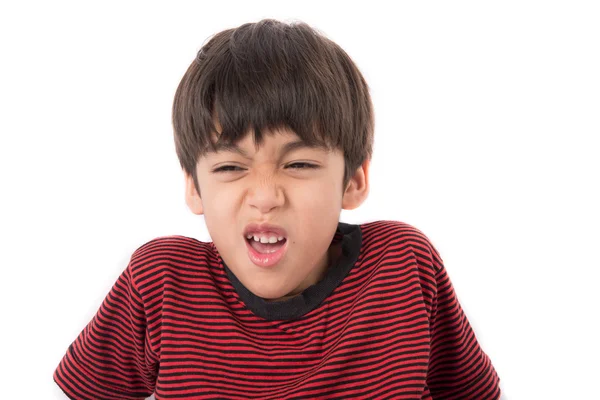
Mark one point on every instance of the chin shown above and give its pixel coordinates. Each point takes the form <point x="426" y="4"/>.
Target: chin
<point x="270" y="294"/>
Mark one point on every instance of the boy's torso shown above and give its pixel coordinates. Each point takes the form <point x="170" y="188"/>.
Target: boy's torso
<point x="368" y="338"/>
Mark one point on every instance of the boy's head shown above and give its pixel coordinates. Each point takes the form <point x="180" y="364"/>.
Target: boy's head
<point x="273" y="124"/>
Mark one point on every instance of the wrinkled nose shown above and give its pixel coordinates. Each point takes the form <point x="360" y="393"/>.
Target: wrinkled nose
<point x="265" y="195"/>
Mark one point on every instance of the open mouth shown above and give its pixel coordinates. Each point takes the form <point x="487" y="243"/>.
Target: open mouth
<point x="265" y="253"/>
<point x="266" y="247"/>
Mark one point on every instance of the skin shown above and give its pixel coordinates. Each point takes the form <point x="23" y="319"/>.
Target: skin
<point x="262" y="187"/>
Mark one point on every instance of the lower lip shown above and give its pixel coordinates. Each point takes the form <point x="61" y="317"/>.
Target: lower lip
<point x="265" y="260"/>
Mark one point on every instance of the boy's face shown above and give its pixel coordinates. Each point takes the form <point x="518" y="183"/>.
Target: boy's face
<point x="277" y="187"/>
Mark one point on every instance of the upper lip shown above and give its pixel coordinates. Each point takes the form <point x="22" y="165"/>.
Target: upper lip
<point x="255" y="229"/>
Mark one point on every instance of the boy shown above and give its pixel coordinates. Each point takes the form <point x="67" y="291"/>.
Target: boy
<point x="274" y="129"/>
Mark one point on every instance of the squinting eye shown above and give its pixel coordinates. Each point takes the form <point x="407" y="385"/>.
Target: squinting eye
<point x="307" y="165"/>
<point x="226" y="168"/>
<point x="298" y="165"/>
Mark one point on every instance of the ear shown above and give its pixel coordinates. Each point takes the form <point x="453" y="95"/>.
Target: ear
<point x="357" y="189"/>
<point x="192" y="197"/>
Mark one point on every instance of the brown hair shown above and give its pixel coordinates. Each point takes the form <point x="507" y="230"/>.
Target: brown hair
<point x="268" y="75"/>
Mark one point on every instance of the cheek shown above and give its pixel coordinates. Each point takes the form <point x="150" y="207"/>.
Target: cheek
<point x="219" y="206"/>
<point x="219" y="199"/>
<point x="319" y="207"/>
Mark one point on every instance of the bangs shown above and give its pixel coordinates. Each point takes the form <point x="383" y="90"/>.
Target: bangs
<point x="252" y="82"/>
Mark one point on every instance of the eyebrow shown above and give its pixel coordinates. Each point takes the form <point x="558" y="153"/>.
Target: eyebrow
<point x="287" y="148"/>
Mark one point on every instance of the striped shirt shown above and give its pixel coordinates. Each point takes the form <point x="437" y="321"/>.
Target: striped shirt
<point x="383" y="323"/>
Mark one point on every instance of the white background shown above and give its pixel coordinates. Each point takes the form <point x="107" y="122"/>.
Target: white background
<point x="487" y="128"/>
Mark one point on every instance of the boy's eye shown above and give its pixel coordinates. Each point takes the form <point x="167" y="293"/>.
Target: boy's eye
<point x="233" y="168"/>
<point x="227" y="168"/>
<point x="301" y="165"/>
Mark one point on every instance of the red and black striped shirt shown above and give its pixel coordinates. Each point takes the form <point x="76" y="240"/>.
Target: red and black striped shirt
<point x="384" y="323"/>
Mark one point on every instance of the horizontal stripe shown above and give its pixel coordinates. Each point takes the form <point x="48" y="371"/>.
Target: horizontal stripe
<point x="175" y="325"/>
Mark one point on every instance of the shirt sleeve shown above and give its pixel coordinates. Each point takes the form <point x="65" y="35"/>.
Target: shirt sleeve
<point x="111" y="358"/>
<point x="458" y="367"/>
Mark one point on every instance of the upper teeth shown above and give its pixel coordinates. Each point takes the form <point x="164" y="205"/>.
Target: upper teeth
<point x="265" y="239"/>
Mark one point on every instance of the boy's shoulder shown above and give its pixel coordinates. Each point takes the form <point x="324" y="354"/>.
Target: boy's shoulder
<point x="395" y="231"/>
<point x="169" y="243"/>
<point x="393" y="238"/>
<point x="170" y="253"/>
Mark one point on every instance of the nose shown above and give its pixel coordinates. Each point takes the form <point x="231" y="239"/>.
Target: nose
<point x="265" y="194"/>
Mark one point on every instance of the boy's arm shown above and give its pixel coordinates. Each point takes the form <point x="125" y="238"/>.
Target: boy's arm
<point x="111" y="358"/>
<point x="458" y="368"/>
